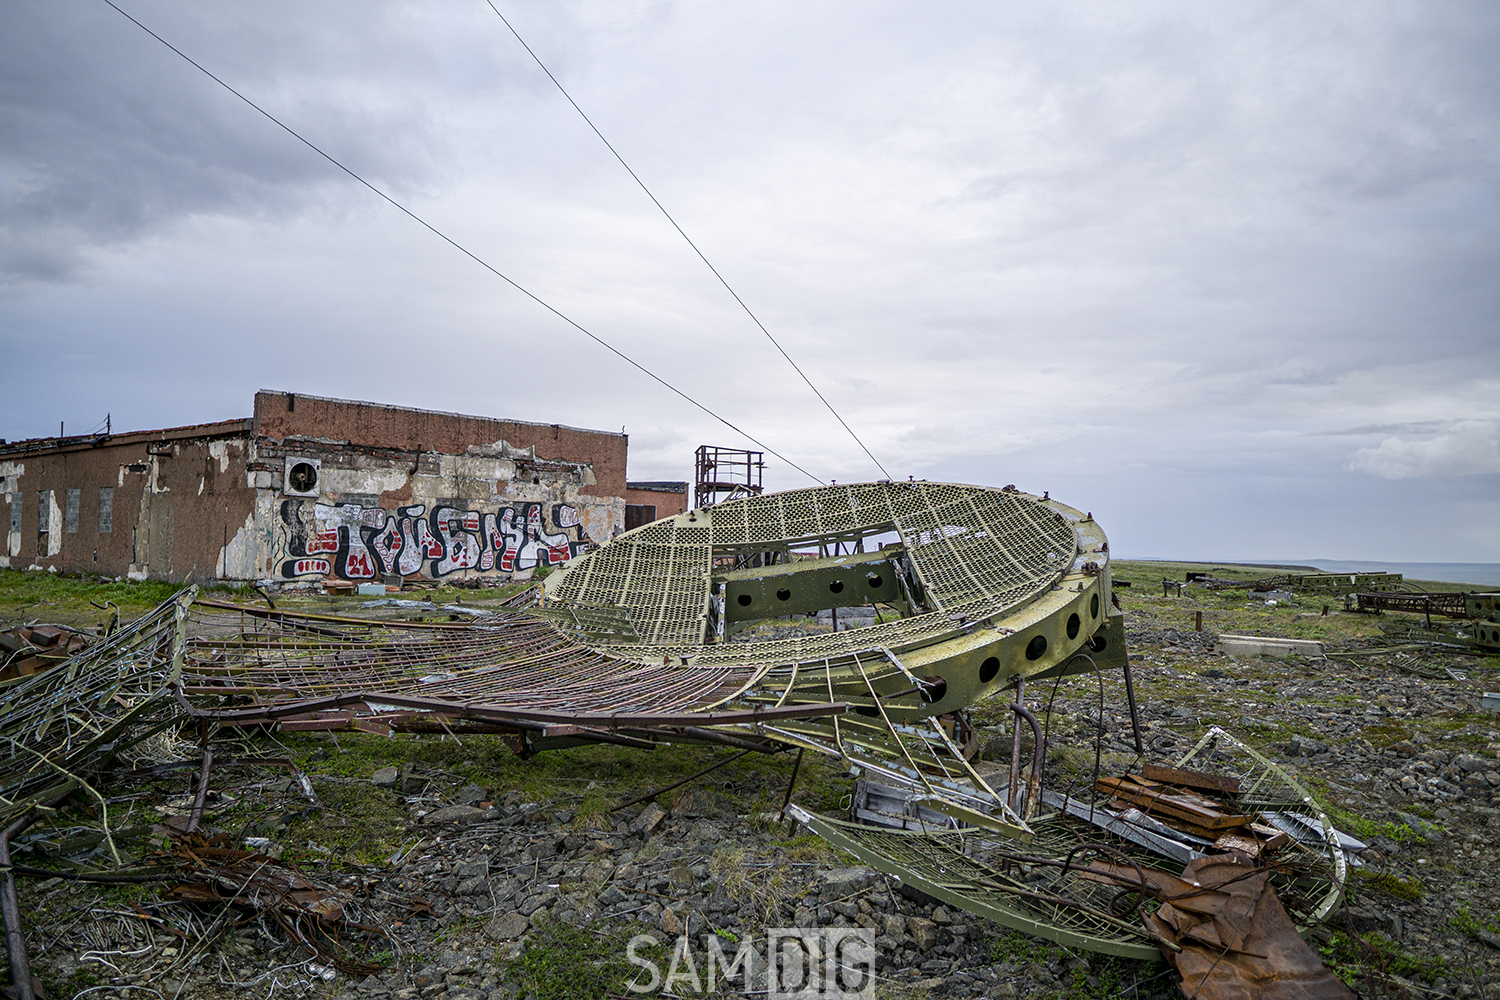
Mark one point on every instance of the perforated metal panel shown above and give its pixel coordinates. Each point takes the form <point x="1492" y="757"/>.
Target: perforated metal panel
<point x="657" y="575"/>
<point x="977" y="551"/>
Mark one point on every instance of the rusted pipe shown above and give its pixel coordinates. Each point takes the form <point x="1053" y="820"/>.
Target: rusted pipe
<point x="786" y="799"/>
<point x="1034" y="781"/>
<point x="197" y="815"/>
<point x="15" y="941"/>
<point x="1015" y="745"/>
<point x="725" y="739"/>
<point x="1135" y="719"/>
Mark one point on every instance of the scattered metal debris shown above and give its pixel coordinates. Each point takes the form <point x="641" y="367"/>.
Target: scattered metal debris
<point x="1225" y="931"/>
<point x="988" y="589"/>
<point x="314" y="913"/>
<point x="26" y="649"/>
<point x="1308" y="583"/>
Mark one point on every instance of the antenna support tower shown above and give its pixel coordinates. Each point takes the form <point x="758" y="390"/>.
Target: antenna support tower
<point x="723" y="474"/>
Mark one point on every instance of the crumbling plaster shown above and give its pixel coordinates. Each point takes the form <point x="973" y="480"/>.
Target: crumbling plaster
<point x="10" y="480"/>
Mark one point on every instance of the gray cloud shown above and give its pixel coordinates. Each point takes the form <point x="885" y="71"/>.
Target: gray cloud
<point x="1469" y="448"/>
<point x="110" y="137"/>
<point x="1198" y="269"/>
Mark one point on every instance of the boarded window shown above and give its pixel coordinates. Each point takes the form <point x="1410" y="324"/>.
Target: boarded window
<point x="43" y="520"/>
<point x="70" y="515"/>
<point x="637" y="514"/>
<point x="15" y="514"/>
<point x="106" y="509"/>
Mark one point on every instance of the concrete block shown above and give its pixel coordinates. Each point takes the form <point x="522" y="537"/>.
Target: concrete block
<point x="1256" y="645"/>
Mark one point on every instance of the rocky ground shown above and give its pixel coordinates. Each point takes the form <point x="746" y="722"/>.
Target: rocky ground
<point x="484" y="876"/>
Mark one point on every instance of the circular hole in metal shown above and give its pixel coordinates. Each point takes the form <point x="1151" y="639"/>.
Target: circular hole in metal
<point x="1094" y="606"/>
<point x="875" y="580"/>
<point x="837" y="586"/>
<point x="1036" y="648"/>
<point x="744" y="600"/>
<point x="1073" y="624"/>
<point x="937" y="687"/>
<point x="783" y="594"/>
<point x="1097" y="644"/>
<point x="988" y="669"/>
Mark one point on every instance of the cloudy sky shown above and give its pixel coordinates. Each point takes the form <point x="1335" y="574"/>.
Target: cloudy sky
<point x="1227" y="276"/>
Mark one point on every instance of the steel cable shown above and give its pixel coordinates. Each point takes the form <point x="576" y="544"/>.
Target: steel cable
<point x="735" y="295"/>
<point x="460" y="247"/>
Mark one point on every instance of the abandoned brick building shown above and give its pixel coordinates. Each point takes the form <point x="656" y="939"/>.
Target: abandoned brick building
<point x="309" y="488"/>
<point x="651" y="501"/>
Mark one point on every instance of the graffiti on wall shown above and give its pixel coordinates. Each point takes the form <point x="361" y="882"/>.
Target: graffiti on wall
<point x="362" y="543"/>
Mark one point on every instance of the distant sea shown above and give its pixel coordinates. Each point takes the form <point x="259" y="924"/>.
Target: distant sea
<point x="1478" y="574"/>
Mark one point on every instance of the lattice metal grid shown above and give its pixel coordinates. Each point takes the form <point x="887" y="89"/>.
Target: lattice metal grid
<point x="509" y="659"/>
<point x="942" y="863"/>
<point x="1266" y="785"/>
<point x="59" y="723"/>
<point x="977" y="551"/>
<point x="656" y="574"/>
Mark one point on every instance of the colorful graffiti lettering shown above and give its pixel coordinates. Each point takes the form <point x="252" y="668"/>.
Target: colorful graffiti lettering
<point x="361" y="543"/>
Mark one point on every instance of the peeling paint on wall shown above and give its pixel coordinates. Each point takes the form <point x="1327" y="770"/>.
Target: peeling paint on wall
<point x="54" y="524"/>
<point x="396" y="492"/>
<point x="598" y="522"/>
<point x="237" y="559"/>
<point x="220" y="450"/>
<point x="10" y="491"/>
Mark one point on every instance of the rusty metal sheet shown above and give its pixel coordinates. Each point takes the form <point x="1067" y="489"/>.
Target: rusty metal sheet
<point x="1236" y="940"/>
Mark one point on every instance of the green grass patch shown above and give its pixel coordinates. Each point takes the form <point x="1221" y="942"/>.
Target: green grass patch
<point x="1386" y="734"/>
<point x="357" y="825"/>
<point x="1367" y="829"/>
<point x="1021" y="949"/>
<point x="1351" y="957"/>
<point x="563" y="962"/>
<point x="1471" y="925"/>
<point x="1394" y="886"/>
<point x="53" y="597"/>
<point x="587" y="780"/>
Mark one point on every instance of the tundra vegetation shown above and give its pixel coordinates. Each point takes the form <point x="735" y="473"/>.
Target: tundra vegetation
<point x="492" y="876"/>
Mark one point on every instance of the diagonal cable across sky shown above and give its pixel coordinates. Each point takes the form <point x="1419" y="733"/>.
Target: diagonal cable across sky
<point x="635" y="177"/>
<point x="463" y="249"/>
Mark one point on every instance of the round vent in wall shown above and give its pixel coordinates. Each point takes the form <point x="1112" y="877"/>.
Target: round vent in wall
<point x="301" y="477"/>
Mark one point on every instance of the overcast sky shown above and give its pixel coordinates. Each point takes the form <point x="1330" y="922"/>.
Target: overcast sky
<point x="1226" y="275"/>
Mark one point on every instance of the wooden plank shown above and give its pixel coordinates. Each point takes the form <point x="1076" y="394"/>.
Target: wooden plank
<point x="1175" y="822"/>
<point x="1144" y="782"/>
<point x="1269" y="836"/>
<point x="1193" y="779"/>
<point x="1173" y="806"/>
<point x="1193" y="804"/>
<point x="1233" y="841"/>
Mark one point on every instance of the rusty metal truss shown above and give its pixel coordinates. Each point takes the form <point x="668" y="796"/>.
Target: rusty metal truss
<point x="1449" y="605"/>
<point x="722" y="474"/>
